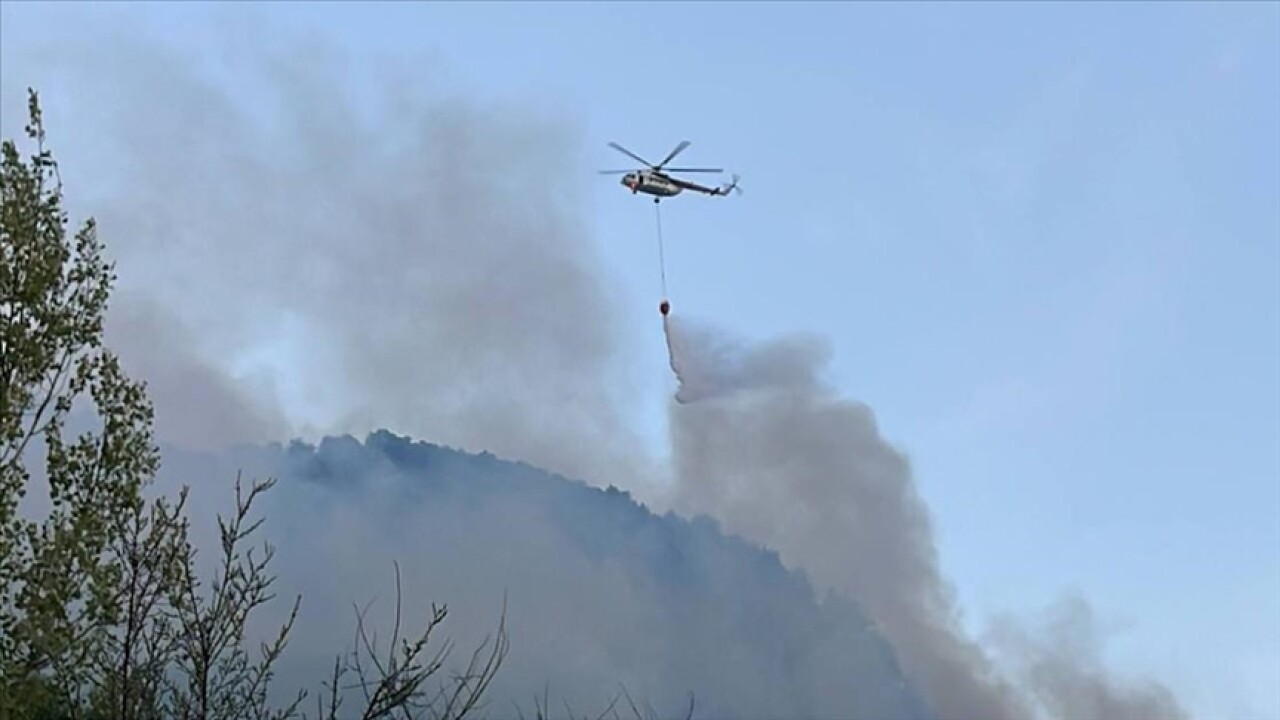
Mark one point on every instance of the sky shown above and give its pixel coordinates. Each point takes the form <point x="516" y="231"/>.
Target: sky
<point x="1042" y="240"/>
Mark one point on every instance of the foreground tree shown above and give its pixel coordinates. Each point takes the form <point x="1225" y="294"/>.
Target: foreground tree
<point x="101" y="611"/>
<point x="63" y="580"/>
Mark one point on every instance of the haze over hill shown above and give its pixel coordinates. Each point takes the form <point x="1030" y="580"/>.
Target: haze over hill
<point x="415" y="272"/>
<point x="599" y="590"/>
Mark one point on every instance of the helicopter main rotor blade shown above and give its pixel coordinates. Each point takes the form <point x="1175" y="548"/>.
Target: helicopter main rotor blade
<point x="630" y="154"/>
<point x="614" y="172"/>
<point x="685" y="170"/>
<point x="679" y="148"/>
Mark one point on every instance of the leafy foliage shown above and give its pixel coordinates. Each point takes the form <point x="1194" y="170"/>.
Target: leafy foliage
<point x="64" y="581"/>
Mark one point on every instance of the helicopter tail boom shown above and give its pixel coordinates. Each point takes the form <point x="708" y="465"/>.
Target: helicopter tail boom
<point x="726" y="189"/>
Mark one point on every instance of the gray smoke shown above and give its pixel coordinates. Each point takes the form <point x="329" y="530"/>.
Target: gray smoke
<point x="229" y="412"/>
<point x="412" y="261"/>
<point x="763" y="444"/>
<point x="1058" y="661"/>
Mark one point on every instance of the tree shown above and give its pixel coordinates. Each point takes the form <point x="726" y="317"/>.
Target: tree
<point x="101" y="611"/>
<point x="62" y="579"/>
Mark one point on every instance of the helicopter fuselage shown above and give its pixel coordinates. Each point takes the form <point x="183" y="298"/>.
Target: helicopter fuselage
<point x="651" y="183"/>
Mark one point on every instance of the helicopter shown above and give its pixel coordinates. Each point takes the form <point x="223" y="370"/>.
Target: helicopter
<point x="656" y="181"/>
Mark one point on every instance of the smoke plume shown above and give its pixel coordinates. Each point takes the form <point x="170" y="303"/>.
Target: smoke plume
<point x="1058" y="662"/>
<point x="761" y="443"/>
<point x="400" y="262"/>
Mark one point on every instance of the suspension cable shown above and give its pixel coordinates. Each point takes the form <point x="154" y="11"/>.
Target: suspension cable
<point x="662" y="261"/>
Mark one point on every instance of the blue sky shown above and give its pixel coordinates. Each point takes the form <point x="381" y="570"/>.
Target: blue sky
<point x="1042" y="239"/>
